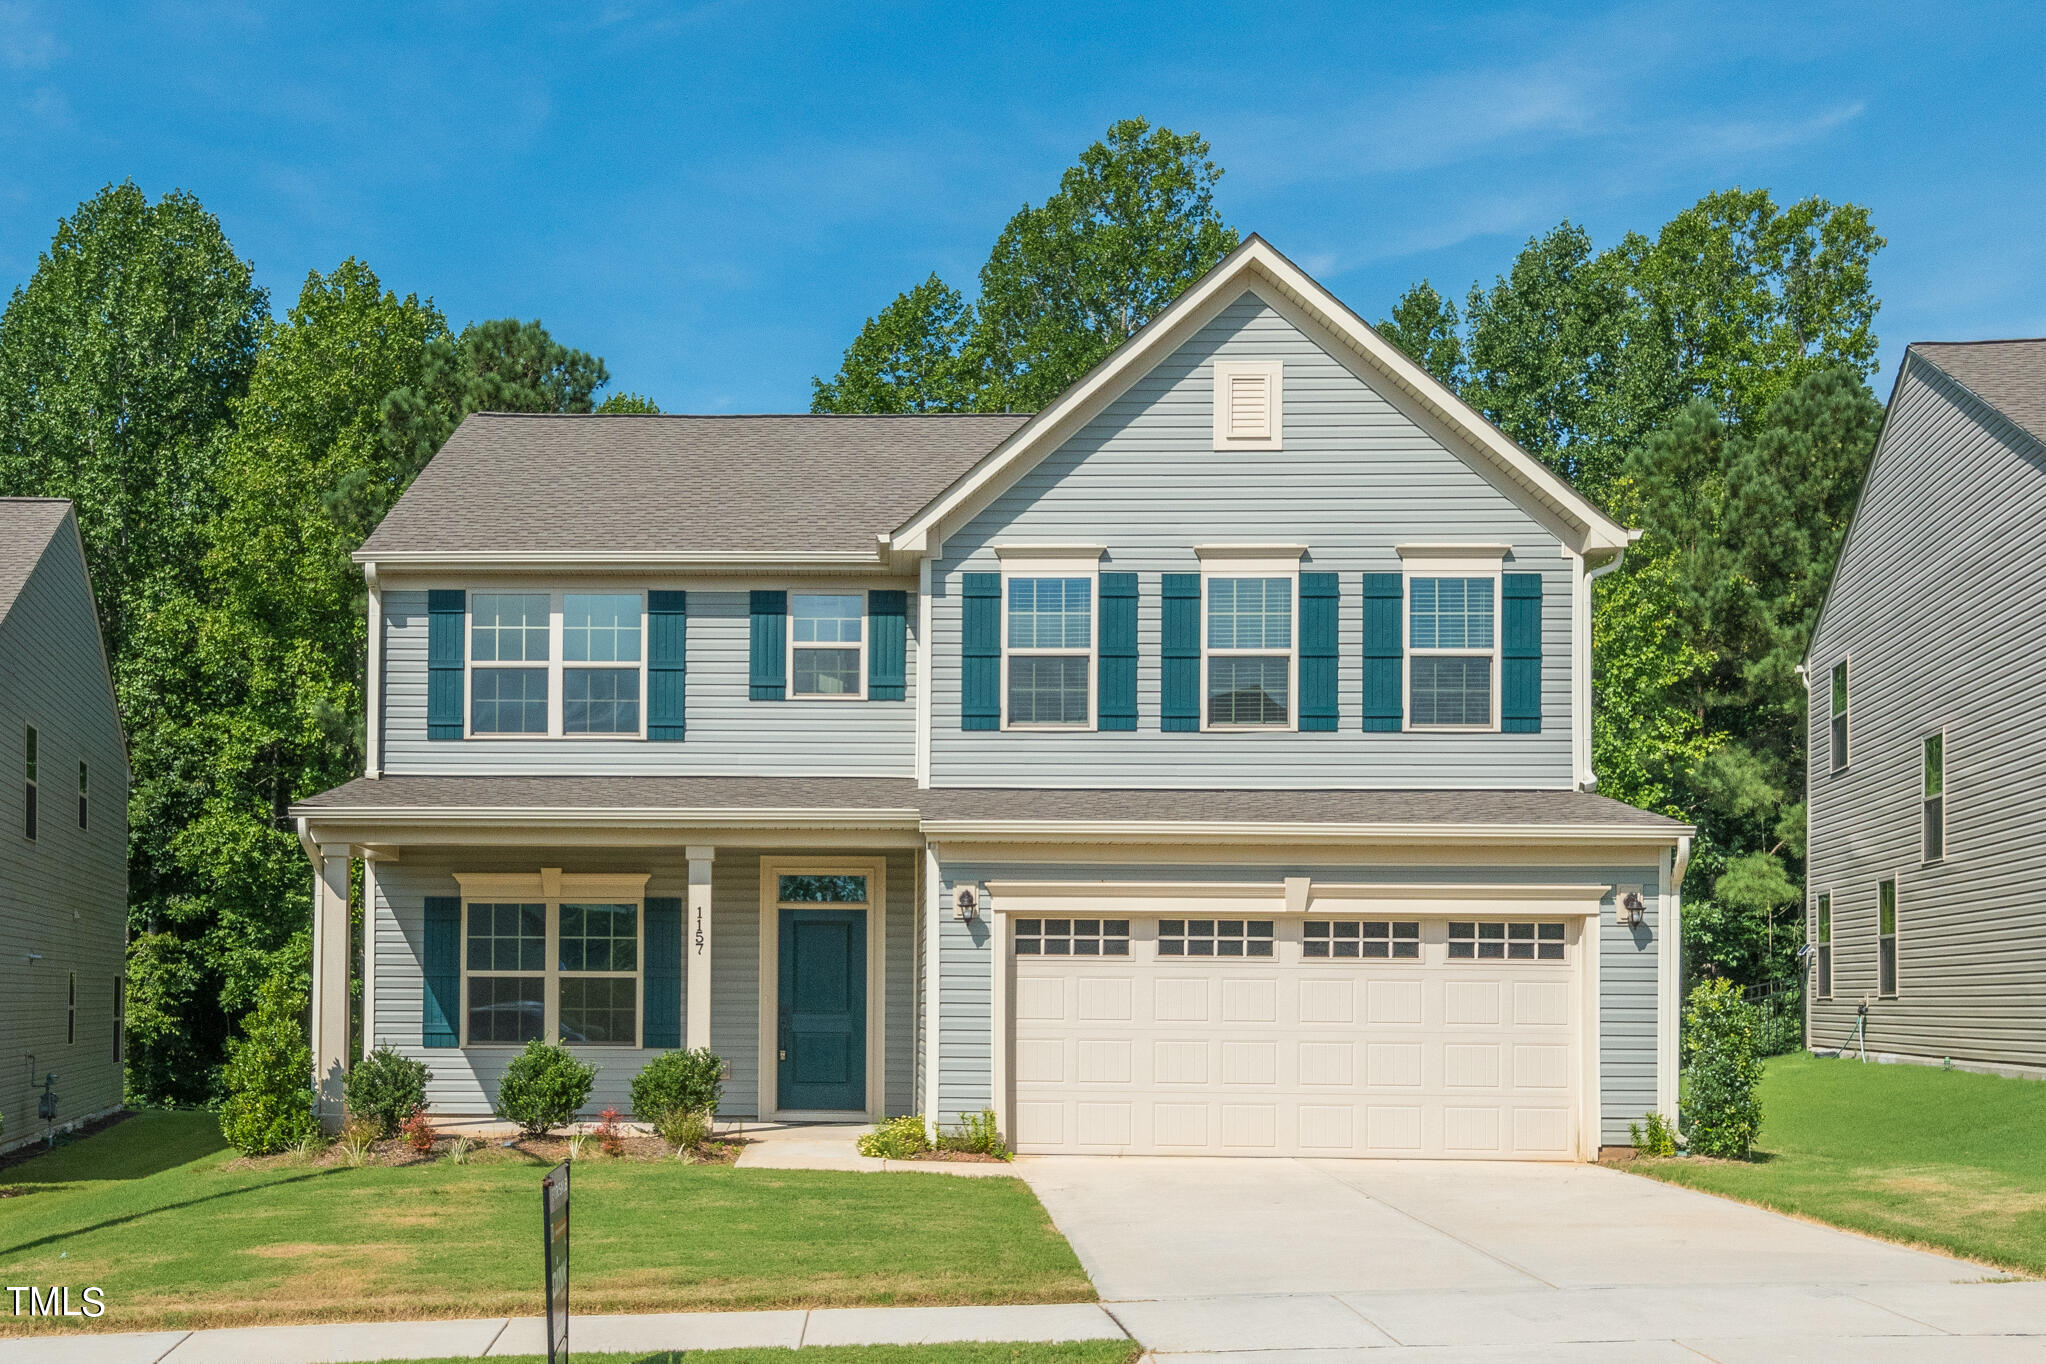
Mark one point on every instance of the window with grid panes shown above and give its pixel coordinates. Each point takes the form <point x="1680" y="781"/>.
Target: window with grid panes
<point x="1072" y="937"/>
<point x="600" y="628"/>
<point x="508" y="632"/>
<point x="600" y="974"/>
<point x="1934" y="799"/>
<point x="1479" y="941"/>
<point x="826" y="633"/>
<point x="1215" y="937"/>
<point x="1450" y="649"/>
<point x="1050" y="645"/>
<point x="1250" y="651"/>
<point x="1361" y="938"/>
<point x="506" y="959"/>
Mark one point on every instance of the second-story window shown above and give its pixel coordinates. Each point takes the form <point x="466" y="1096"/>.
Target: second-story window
<point x="1840" y="716"/>
<point x="1050" y="651"/>
<point x="1452" y="644"/>
<point x="1886" y="938"/>
<point x="84" y="788"/>
<point x="1935" y="798"/>
<point x="1823" y="946"/>
<point x="508" y="635"/>
<point x="1250" y="652"/>
<point x="827" y="645"/>
<point x="600" y="628"/>
<point x="567" y="665"/>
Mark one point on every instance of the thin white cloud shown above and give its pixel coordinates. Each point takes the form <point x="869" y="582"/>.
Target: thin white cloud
<point x="27" y="42"/>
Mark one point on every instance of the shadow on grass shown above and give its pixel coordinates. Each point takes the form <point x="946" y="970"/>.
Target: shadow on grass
<point x="59" y="1236"/>
<point x="146" y="1143"/>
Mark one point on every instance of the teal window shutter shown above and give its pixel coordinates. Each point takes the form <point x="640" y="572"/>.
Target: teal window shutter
<point x="663" y="1028"/>
<point x="1179" y="701"/>
<point x="446" y="610"/>
<point x="1384" y="596"/>
<point x="667" y="662"/>
<point x="1319" y="603"/>
<point x="980" y="651"/>
<point x="440" y="966"/>
<point x="769" y="680"/>
<point x="1520" y="652"/>
<point x="887" y="645"/>
<point x="1116" y="705"/>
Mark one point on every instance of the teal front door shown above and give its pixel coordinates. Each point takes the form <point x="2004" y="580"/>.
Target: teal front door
<point x="823" y="1004"/>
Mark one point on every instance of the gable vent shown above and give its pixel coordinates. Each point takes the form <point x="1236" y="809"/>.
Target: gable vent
<point x="1247" y="405"/>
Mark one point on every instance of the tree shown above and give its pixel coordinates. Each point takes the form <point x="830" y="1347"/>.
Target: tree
<point x="1424" y="325"/>
<point x="635" y="404"/>
<point x="269" y="1104"/>
<point x="905" y="359"/>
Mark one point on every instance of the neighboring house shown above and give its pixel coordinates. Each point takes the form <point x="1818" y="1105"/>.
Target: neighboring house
<point x="1926" y="869"/>
<point x="63" y="832"/>
<point x="1199" y="765"/>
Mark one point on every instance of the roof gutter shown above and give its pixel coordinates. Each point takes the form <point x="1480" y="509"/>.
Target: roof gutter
<point x="709" y="561"/>
<point x="1267" y="831"/>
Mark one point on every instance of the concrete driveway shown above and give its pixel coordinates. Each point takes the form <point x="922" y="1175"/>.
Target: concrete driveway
<point x="1310" y="1262"/>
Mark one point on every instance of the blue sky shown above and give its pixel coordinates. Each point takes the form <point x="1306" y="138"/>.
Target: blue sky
<point x="714" y="196"/>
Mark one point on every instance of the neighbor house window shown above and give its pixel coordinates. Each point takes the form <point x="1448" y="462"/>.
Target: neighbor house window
<point x="508" y="634"/>
<point x="120" y="1018"/>
<point x="1451" y="652"/>
<point x="1050" y="651"/>
<point x="1250" y="652"/>
<point x="1824" y="948"/>
<point x="600" y="628"/>
<point x="1886" y="938"/>
<point x="84" y="787"/>
<point x="587" y="983"/>
<point x="827" y="645"/>
<point x="1840" y="716"/>
<point x="71" y="1009"/>
<point x="29" y="793"/>
<point x="1935" y="797"/>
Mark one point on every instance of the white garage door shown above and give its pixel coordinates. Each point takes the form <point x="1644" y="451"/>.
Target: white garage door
<point x="1290" y="1036"/>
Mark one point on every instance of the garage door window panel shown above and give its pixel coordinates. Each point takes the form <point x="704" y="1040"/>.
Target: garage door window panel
<point x="1359" y="939"/>
<point x="1506" y="941"/>
<point x="1072" y="937"/>
<point x="1216" y="937"/>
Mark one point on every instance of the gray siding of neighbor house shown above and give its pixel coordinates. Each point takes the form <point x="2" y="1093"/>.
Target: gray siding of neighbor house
<point x="728" y="733"/>
<point x="1357" y="477"/>
<point x="1939" y="604"/>
<point x="1629" y="1003"/>
<point x="65" y="895"/>
<point x="466" y="1081"/>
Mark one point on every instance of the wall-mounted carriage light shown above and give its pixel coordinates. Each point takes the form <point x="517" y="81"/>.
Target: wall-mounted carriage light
<point x="1630" y="911"/>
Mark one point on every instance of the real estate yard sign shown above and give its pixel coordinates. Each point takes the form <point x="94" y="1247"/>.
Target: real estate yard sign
<point x="554" y="1204"/>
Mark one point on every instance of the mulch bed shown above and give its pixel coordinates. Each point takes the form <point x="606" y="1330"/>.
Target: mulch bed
<point x="961" y="1157"/>
<point x="396" y="1152"/>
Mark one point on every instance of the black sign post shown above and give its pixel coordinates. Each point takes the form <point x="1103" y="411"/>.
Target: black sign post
<point x="554" y="1207"/>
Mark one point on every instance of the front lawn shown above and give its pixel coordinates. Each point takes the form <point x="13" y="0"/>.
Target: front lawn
<point x="1939" y="1158"/>
<point x="179" y="1233"/>
<point x="1065" y="1352"/>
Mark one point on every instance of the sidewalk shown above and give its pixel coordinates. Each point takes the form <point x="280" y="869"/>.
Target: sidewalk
<point x="347" y="1342"/>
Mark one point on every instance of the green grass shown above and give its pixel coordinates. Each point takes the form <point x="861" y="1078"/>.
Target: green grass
<point x="1066" y="1352"/>
<point x="178" y="1233"/>
<point x="1944" y="1159"/>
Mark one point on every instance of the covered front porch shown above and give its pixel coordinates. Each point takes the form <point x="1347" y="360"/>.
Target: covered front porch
<point x="783" y="936"/>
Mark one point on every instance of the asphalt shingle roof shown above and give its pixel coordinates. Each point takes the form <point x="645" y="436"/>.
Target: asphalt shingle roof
<point x="27" y="525"/>
<point x="2008" y="375"/>
<point x="548" y="483"/>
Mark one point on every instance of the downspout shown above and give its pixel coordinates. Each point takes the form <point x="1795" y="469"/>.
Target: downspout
<point x="1587" y="779"/>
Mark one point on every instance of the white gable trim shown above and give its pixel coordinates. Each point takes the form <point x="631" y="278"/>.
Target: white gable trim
<point x="1257" y="265"/>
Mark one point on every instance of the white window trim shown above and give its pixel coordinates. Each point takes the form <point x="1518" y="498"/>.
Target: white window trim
<point x="1895" y="935"/>
<point x="1448" y="561"/>
<point x="789" y="691"/>
<point x="1925" y="857"/>
<point x="772" y="869"/>
<point x="1054" y="561"/>
<point x="555" y="664"/>
<point x="1252" y="561"/>
<point x="1822" y="941"/>
<point x="1837" y="761"/>
<point x="1274" y="374"/>
<point x="551" y="888"/>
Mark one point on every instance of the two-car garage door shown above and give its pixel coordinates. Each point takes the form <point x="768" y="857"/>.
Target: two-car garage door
<point x="1296" y="1036"/>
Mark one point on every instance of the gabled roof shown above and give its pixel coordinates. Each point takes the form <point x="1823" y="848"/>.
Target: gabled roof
<point x="2010" y="376"/>
<point x="1257" y="264"/>
<point x="678" y="489"/>
<point x="27" y="525"/>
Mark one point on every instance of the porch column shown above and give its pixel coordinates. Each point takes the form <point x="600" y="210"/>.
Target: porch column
<point x="330" y="984"/>
<point x="696" y="937"/>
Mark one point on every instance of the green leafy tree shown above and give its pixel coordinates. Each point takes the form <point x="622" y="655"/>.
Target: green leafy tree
<point x="268" y="1078"/>
<point x="1424" y="325"/>
<point x="633" y="404"/>
<point x="905" y="359"/>
<point x="1722" y="1071"/>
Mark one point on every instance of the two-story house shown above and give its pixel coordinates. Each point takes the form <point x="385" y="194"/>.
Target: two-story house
<point x="1201" y="764"/>
<point x="1926" y="869"/>
<point x="63" y="834"/>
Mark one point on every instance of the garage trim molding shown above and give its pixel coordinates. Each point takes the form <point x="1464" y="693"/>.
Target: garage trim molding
<point x="1293" y="895"/>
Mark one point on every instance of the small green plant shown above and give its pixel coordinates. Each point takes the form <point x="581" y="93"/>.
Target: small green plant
<point x="900" y="1138"/>
<point x="458" y="1151"/>
<point x="678" y="1081"/>
<point x="543" y="1088"/>
<point x="976" y="1133"/>
<point x="687" y="1130"/>
<point x="385" y="1089"/>
<point x="578" y="1143"/>
<point x="308" y="1146"/>
<point x="268" y="1080"/>
<point x="357" y="1140"/>
<point x="1722" y="1068"/>
<point x="1653" y="1136"/>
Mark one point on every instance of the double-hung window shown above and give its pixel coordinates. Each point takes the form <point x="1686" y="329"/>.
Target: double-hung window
<point x="29" y="786"/>
<point x="1249" y="653"/>
<point x="1886" y="938"/>
<point x="542" y="664"/>
<point x="1823" y="947"/>
<point x="827" y="645"/>
<point x="1452" y="652"/>
<point x="1934" y="798"/>
<point x="1049" y="653"/>
<point x="84" y="788"/>
<point x="1840" y="716"/>
<point x="562" y="970"/>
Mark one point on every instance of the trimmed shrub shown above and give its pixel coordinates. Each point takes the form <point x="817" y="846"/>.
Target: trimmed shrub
<point x="678" y="1081"/>
<point x="896" y="1139"/>
<point x="385" y="1089"/>
<point x="687" y="1130"/>
<point x="543" y="1087"/>
<point x="1653" y="1136"/>
<point x="268" y="1076"/>
<point x="1722" y="1067"/>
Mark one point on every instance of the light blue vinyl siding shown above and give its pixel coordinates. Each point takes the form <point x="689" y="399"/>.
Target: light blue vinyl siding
<point x="728" y="734"/>
<point x="465" y="1081"/>
<point x="1628" y="1000"/>
<point x="1357" y="477"/>
<point x="65" y="895"/>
